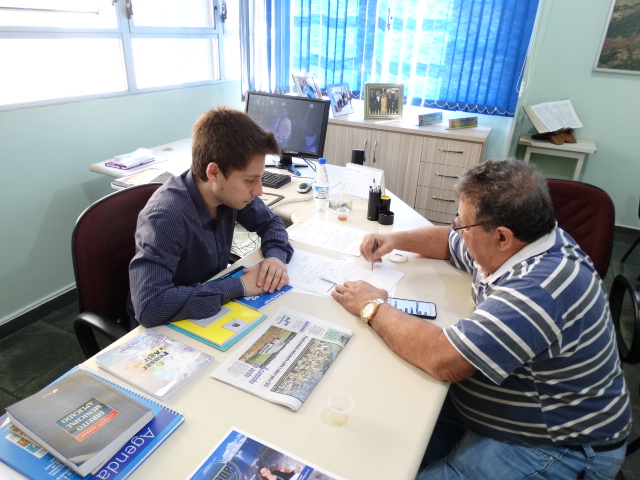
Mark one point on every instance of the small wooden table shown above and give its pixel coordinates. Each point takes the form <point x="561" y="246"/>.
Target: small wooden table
<point x="568" y="150"/>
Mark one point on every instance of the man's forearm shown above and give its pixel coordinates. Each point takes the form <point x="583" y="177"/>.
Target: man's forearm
<point x="430" y="242"/>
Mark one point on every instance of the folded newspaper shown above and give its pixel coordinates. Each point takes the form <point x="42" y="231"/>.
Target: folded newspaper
<point x="285" y="357"/>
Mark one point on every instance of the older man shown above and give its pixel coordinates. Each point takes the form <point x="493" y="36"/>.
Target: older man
<point x="537" y="387"/>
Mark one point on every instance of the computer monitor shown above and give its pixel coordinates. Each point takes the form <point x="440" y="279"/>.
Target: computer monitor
<point x="298" y="123"/>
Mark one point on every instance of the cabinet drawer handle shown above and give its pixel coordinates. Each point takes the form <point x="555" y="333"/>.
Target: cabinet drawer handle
<point x="446" y="176"/>
<point x="443" y="199"/>
<point x="449" y="151"/>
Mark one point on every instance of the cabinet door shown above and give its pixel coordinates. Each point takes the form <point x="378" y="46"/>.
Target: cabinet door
<point x="398" y="155"/>
<point x="341" y="140"/>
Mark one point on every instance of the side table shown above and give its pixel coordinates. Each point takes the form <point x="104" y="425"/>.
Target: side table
<point x="568" y="150"/>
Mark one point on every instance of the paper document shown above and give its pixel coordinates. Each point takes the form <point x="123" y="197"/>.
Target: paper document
<point x="553" y="116"/>
<point x="317" y="275"/>
<point x="329" y="235"/>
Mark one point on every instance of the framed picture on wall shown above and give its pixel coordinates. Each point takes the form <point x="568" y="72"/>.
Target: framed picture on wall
<point x="383" y="100"/>
<point x="306" y="85"/>
<point x="618" y="50"/>
<point x="340" y="96"/>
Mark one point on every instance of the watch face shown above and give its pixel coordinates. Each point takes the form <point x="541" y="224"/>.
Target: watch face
<point x="367" y="310"/>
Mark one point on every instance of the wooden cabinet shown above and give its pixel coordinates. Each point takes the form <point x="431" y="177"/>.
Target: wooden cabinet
<point x="420" y="164"/>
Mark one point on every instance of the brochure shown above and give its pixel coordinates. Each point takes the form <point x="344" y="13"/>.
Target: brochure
<point x="240" y="455"/>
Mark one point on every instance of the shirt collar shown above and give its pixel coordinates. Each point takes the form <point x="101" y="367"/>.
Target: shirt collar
<point x="201" y="208"/>
<point x="532" y="249"/>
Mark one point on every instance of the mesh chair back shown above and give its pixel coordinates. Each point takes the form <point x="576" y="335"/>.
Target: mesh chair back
<point x="103" y="245"/>
<point x="585" y="212"/>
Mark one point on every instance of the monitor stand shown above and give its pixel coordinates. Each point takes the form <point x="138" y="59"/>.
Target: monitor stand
<point x="286" y="163"/>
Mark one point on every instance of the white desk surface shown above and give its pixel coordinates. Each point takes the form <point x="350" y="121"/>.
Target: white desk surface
<point x="396" y="404"/>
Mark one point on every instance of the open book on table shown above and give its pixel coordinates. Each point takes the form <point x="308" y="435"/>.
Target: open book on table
<point x="285" y="357"/>
<point x="550" y="117"/>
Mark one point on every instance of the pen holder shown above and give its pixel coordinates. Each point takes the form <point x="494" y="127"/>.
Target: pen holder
<point x="374" y="206"/>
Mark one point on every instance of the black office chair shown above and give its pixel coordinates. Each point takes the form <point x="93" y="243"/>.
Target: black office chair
<point x="102" y="247"/>
<point x="624" y="300"/>
<point x="635" y="244"/>
<point x="587" y="213"/>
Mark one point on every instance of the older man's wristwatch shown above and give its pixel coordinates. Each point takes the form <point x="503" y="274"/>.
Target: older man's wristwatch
<point x="370" y="308"/>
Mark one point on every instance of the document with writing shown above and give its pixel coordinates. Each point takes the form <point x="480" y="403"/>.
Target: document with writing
<point x="329" y="235"/>
<point x="553" y="116"/>
<point x="317" y="274"/>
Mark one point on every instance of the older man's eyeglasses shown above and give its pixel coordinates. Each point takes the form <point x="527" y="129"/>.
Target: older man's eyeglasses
<point x="457" y="227"/>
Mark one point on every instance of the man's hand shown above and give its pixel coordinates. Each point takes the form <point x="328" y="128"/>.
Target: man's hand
<point x="266" y="276"/>
<point x="384" y="245"/>
<point x="353" y="295"/>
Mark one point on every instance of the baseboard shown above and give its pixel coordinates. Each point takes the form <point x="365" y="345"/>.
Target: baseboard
<point x="38" y="311"/>
<point x="626" y="230"/>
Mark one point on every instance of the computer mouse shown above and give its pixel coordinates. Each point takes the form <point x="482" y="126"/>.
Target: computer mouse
<point x="304" y="187"/>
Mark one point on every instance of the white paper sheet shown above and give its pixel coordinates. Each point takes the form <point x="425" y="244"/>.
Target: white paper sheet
<point x="329" y="235"/>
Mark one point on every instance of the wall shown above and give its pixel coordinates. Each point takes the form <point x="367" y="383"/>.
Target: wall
<point x="561" y="66"/>
<point x="45" y="154"/>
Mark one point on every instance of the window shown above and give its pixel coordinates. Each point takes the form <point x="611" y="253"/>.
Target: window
<point x="451" y="54"/>
<point x="69" y="49"/>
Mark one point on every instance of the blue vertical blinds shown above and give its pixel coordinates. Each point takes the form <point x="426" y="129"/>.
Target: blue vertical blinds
<point x="462" y="55"/>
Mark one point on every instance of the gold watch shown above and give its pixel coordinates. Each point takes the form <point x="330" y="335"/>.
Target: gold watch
<point x="370" y="308"/>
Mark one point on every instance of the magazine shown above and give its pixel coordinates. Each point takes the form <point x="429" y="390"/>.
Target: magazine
<point x="285" y="358"/>
<point x="240" y="455"/>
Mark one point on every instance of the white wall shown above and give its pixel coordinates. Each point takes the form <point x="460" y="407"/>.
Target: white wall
<point x="45" y="155"/>
<point x="608" y="103"/>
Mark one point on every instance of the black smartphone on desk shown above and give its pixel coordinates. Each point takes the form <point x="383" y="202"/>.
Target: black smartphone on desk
<point x="414" y="307"/>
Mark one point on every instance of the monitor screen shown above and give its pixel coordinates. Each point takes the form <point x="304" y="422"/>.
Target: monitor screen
<point x="298" y="123"/>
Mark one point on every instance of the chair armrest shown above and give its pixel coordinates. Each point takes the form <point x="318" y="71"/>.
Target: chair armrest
<point x="85" y="326"/>
<point x="622" y="284"/>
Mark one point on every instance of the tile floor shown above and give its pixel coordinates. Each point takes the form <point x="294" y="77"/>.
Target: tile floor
<point x="32" y="357"/>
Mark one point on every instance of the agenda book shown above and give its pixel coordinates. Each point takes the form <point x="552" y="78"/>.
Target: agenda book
<point x="153" y="362"/>
<point x="33" y="461"/>
<point x="230" y="324"/>
<point x="80" y="420"/>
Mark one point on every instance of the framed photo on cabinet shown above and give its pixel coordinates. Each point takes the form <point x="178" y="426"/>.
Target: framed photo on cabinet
<point x="383" y="100"/>
<point x="306" y="85"/>
<point x="340" y="96"/>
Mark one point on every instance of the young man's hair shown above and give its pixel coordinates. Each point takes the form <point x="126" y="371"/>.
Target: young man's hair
<point x="509" y="193"/>
<point x="230" y="139"/>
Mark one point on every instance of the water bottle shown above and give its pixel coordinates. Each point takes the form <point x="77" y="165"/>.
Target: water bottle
<point x="321" y="186"/>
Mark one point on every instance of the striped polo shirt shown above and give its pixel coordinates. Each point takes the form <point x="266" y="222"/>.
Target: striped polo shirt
<point x="543" y="342"/>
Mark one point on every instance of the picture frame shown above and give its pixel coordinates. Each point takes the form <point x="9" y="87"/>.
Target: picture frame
<point x="340" y="96"/>
<point x="306" y="85"/>
<point x="616" y="52"/>
<point x="383" y="100"/>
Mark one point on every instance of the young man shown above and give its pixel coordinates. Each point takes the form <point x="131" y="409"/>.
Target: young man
<point x="537" y="387"/>
<point x="185" y="231"/>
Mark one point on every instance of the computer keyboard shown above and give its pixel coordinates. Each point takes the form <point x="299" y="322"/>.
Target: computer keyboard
<point x="274" y="180"/>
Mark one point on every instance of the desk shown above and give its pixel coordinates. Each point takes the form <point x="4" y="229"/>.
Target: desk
<point x="396" y="404"/>
<point x="576" y="150"/>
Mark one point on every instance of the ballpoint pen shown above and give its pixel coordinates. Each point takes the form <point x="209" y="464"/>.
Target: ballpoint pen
<point x="375" y="244"/>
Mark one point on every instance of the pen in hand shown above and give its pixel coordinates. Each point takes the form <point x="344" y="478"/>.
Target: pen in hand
<point x="375" y="244"/>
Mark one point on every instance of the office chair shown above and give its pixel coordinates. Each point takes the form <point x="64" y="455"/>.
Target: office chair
<point x="626" y="319"/>
<point x="585" y="212"/>
<point x="102" y="247"/>
<point x="635" y="244"/>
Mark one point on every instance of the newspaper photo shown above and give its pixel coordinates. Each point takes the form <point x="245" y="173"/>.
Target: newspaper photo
<point x="240" y="456"/>
<point x="286" y="357"/>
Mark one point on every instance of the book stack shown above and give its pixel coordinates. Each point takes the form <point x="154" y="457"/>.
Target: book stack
<point x="83" y="426"/>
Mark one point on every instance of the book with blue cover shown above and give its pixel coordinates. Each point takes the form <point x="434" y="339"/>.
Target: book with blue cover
<point x="36" y="463"/>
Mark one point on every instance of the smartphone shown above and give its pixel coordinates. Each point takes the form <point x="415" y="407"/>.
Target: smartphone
<point x="414" y="307"/>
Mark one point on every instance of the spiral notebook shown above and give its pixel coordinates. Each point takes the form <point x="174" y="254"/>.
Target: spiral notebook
<point x="358" y="179"/>
<point x="36" y="463"/>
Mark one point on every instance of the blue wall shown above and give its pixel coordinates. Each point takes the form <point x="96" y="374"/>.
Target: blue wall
<point x="45" y="154"/>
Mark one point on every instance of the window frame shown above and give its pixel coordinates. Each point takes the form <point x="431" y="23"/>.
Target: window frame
<point x="126" y="31"/>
